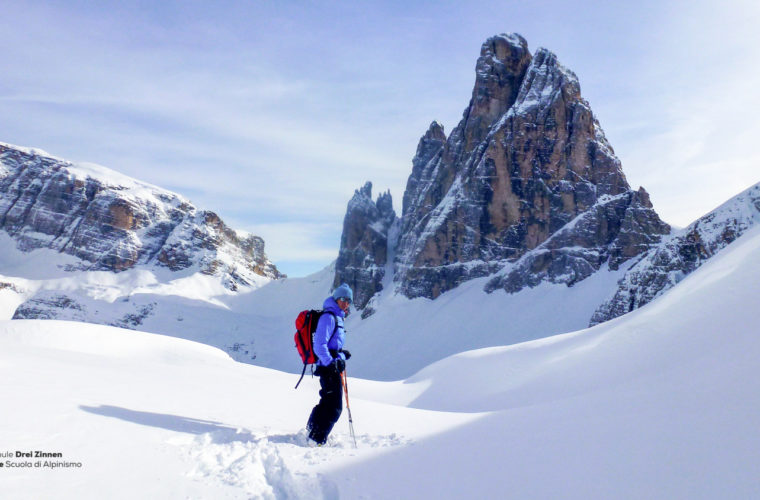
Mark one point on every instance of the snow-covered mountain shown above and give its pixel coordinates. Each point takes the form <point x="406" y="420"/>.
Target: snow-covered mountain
<point x="79" y="240"/>
<point x="682" y="252"/>
<point x="111" y="222"/>
<point x="255" y="324"/>
<point x="83" y="243"/>
<point x="660" y="403"/>
<point x="468" y="317"/>
<point x="525" y="190"/>
<point x="525" y="194"/>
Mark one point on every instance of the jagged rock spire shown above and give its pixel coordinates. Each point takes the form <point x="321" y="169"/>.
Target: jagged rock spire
<point x="525" y="189"/>
<point x="499" y="73"/>
<point x="527" y="158"/>
<point x="364" y="244"/>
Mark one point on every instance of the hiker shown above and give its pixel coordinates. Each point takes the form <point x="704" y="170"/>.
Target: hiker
<point x="328" y="346"/>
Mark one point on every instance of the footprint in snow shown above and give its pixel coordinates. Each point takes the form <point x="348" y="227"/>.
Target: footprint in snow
<point x="339" y="440"/>
<point x="253" y="462"/>
<point x="253" y="465"/>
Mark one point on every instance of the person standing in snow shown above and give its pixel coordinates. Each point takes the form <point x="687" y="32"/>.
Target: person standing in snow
<point x="328" y="346"/>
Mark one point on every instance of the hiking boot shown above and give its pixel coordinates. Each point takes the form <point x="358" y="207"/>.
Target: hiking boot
<point x="314" y="444"/>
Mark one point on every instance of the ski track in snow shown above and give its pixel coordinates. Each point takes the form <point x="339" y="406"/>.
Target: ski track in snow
<point x="261" y="465"/>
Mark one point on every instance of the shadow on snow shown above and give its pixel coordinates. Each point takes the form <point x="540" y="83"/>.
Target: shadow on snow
<point x="221" y="433"/>
<point x="161" y="420"/>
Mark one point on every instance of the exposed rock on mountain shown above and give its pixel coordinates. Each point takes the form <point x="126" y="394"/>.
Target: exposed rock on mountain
<point x="525" y="189"/>
<point x="612" y="231"/>
<point x="113" y="223"/>
<point x="364" y="245"/>
<point x="676" y="256"/>
<point x="527" y="159"/>
<point x="47" y="305"/>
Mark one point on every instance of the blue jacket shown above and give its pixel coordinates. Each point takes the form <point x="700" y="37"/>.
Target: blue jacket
<point x="322" y="341"/>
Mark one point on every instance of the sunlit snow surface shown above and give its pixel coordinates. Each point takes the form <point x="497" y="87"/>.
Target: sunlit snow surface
<point x="256" y="325"/>
<point x="661" y="403"/>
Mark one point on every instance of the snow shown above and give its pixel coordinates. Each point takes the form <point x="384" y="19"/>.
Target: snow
<point x="83" y="170"/>
<point x="31" y="151"/>
<point x="659" y="403"/>
<point x="256" y="325"/>
<point x="422" y="331"/>
<point x="10" y="299"/>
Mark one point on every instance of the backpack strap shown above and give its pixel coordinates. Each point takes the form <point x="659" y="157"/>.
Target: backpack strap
<point x="335" y="330"/>
<point x="302" y="374"/>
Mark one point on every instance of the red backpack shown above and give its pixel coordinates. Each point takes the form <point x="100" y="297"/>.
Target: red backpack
<point x="306" y="325"/>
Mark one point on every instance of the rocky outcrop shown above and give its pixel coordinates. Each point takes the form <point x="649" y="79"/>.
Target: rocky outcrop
<point x="526" y="189"/>
<point x="527" y="160"/>
<point x="669" y="262"/>
<point x="612" y="231"/>
<point x="364" y="245"/>
<point x="114" y="223"/>
<point x="52" y="305"/>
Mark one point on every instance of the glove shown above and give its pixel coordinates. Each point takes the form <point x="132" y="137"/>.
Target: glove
<point x="346" y="353"/>
<point x="339" y="365"/>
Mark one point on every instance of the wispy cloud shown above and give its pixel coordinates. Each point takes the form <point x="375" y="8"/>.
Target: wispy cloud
<point x="696" y="109"/>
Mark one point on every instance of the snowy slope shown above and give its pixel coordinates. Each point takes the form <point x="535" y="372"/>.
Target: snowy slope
<point x="660" y="403"/>
<point x="256" y="325"/>
<point x="154" y="417"/>
<point x="405" y="335"/>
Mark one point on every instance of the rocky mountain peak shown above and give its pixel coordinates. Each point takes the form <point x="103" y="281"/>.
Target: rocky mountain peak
<point x="525" y="189"/>
<point x="364" y="192"/>
<point x="112" y="222"/>
<point x="499" y="71"/>
<point x="434" y="132"/>
<point x="361" y="204"/>
<point x="429" y="144"/>
<point x="527" y="158"/>
<point x="364" y="245"/>
<point x="429" y="149"/>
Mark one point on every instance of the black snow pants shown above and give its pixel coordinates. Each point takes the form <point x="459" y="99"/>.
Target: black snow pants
<point x="330" y="406"/>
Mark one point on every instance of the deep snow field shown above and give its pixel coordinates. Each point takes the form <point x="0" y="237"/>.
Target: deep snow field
<point x="256" y="325"/>
<point x="661" y="403"/>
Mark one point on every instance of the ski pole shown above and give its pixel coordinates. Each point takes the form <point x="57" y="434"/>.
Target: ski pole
<point x="344" y="382"/>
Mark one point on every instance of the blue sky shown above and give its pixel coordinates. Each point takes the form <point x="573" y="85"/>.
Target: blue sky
<point x="272" y="113"/>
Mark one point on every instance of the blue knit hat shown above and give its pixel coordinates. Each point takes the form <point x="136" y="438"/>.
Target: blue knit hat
<point x="343" y="292"/>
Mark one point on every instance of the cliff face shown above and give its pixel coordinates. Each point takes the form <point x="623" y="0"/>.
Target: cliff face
<point x="614" y="230"/>
<point x="113" y="223"/>
<point x="527" y="158"/>
<point x="364" y="245"/>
